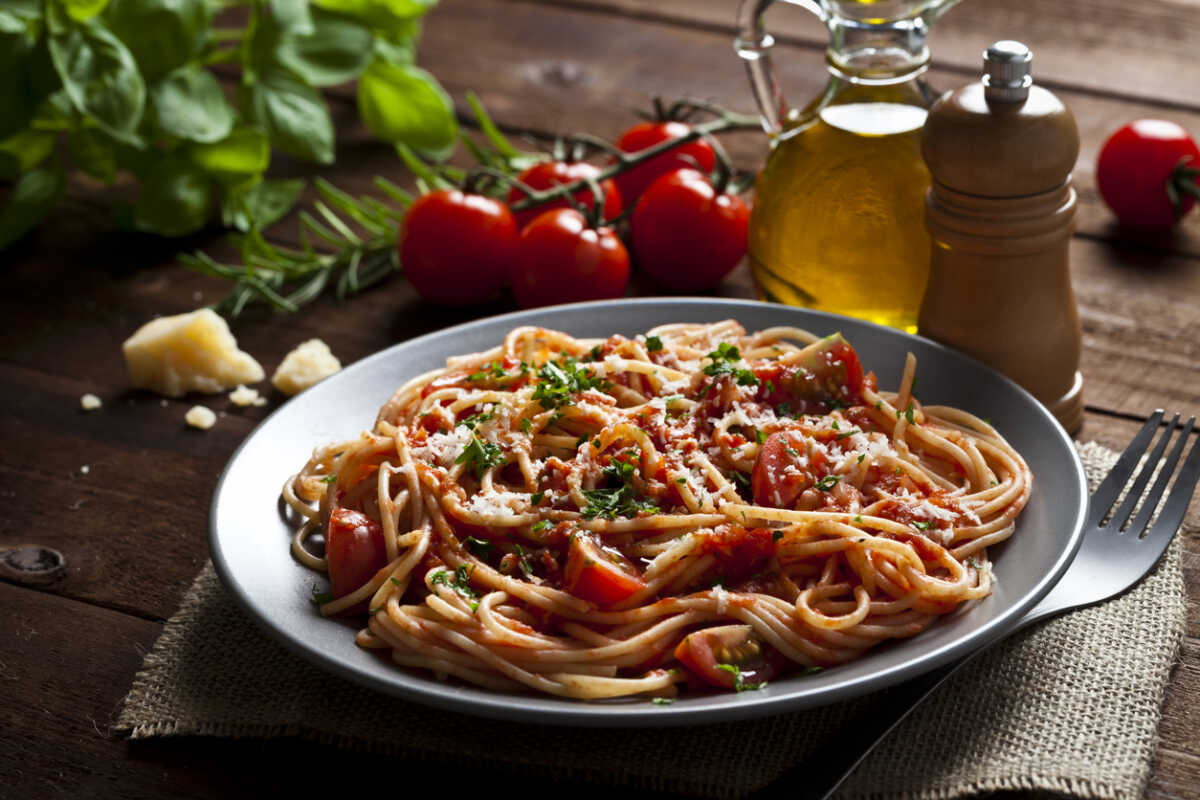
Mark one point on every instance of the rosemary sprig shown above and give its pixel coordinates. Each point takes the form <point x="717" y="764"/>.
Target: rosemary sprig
<point x="346" y="242"/>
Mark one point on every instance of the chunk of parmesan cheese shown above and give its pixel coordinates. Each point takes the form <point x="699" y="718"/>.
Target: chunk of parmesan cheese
<point x="200" y="417"/>
<point x="188" y="353"/>
<point x="90" y="402"/>
<point x="308" y="364"/>
<point x="245" y="396"/>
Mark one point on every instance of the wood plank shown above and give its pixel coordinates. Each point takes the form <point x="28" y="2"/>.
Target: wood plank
<point x="64" y="669"/>
<point x="1109" y="47"/>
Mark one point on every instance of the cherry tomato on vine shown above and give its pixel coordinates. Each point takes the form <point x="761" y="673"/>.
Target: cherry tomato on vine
<point x="559" y="259"/>
<point x="1147" y="173"/>
<point x="685" y="235"/>
<point x="556" y="173"/>
<point x="456" y="247"/>
<point x="696" y="154"/>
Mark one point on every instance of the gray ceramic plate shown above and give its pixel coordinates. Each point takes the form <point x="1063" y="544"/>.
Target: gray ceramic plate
<point x="250" y="540"/>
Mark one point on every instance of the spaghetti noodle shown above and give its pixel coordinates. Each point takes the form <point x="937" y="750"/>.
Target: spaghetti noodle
<point x="698" y="505"/>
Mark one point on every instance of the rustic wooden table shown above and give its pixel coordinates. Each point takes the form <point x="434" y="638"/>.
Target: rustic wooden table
<point x="124" y="492"/>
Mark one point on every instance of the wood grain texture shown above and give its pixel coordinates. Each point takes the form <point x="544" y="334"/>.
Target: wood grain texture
<point x="133" y="527"/>
<point x="1143" y="51"/>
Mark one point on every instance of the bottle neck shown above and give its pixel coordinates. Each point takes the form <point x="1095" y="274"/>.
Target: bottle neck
<point x="877" y="54"/>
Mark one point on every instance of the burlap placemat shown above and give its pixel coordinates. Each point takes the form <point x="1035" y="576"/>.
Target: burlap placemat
<point x="1071" y="707"/>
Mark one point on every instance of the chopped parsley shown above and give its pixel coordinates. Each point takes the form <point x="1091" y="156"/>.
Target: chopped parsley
<point x="739" y="680"/>
<point x="320" y="597"/>
<point x="329" y="479"/>
<point x="663" y="701"/>
<point x="619" y="500"/>
<point x="861" y="456"/>
<point x="783" y="410"/>
<point x="523" y="560"/>
<point x="908" y="412"/>
<point x="596" y="353"/>
<point x="492" y="370"/>
<point x="973" y="563"/>
<point x="921" y="524"/>
<point x="480" y="547"/>
<point x="653" y="344"/>
<point x="741" y="478"/>
<point x="557" y="381"/>
<point x="480" y="456"/>
<point x="811" y="670"/>
<point x="526" y="425"/>
<point x="724" y="359"/>
<point x="760" y="436"/>
<point x="483" y="416"/>
<point x="828" y="482"/>
<point x="540" y="525"/>
<point x="461" y="582"/>
<point x="847" y="434"/>
<point x="536" y="497"/>
<point x="681" y="480"/>
<point x="776" y="536"/>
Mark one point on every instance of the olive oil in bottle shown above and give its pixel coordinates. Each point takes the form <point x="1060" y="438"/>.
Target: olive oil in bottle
<point x="838" y="220"/>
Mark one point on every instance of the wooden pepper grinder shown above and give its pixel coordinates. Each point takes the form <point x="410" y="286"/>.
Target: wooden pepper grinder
<point x="1000" y="212"/>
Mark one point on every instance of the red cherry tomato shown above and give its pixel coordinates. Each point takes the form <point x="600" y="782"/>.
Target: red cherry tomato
<point x="825" y="374"/>
<point x="696" y="154"/>
<point x="685" y="235"/>
<point x="354" y="550"/>
<point x="556" y="173"/>
<point x="1138" y="163"/>
<point x="784" y="469"/>
<point x="456" y="248"/>
<point x="560" y="259"/>
<point x="599" y="574"/>
<point x="730" y="657"/>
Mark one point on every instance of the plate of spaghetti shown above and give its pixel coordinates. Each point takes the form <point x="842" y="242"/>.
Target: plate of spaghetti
<point x="648" y="512"/>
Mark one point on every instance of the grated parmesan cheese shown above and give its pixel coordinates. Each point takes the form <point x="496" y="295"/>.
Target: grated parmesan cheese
<point x="245" y="396"/>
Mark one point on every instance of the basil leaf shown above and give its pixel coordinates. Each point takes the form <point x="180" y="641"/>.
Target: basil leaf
<point x="337" y="50"/>
<point x="161" y="34"/>
<point x="34" y="195"/>
<point x="83" y="10"/>
<point x="245" y="151"/>
<point x="174" y="200"/>
<point x="394" y="19"/>
<point x="406" y="104"/>
<point x="292" y="113"/>
<point x="189" y="103"/>
<point x="396" y="52"/>
<point x="293" y="16"/>
<point x="24" y="151"/>
<point x="93" y="153"/>
<point x="260" y="204"/>
<point x="100" y="77"/>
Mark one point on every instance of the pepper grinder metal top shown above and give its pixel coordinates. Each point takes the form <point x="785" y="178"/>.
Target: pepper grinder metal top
<point x="1000" y="211"/>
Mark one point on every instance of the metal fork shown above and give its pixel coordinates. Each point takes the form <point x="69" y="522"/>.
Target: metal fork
<point x="1115" y="555"/>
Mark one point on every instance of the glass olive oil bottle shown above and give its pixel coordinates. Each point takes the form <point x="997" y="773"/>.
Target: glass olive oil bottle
<point x="839" y="207"/>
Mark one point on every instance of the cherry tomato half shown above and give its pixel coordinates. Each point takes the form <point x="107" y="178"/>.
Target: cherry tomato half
<point x="599" y="574"/>
<point x="685" y="235"/>
<point x="354" y="550"/>
<point x="559" y="259"/>
<point x="784" y="469"/>
<point x="730" y="657"/>
<point x="1138" y="163"/>
<point x="696" y="154"/>
<point x="557" y="173"/>
<point x="456" y="248"/>
<point x="824" y="374"/>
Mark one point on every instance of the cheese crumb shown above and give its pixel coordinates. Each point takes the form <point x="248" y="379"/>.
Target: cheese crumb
<point x="90" y="402"/>
<point x="245" y="396"/>
<point x="85" y="469"/>
<point x="201" y="417"/>
<point x="192" y="352"/>
<point x="306" y="365"/>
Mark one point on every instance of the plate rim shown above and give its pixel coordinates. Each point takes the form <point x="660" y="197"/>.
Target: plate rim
<point x="475" y="701"/>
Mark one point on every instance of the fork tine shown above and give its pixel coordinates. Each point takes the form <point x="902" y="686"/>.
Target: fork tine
<point x="1108" y="491"/>
<point x="1164" y="475"/>
<point x="1181" y="494"/>
<point x="1123" y="514"/>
